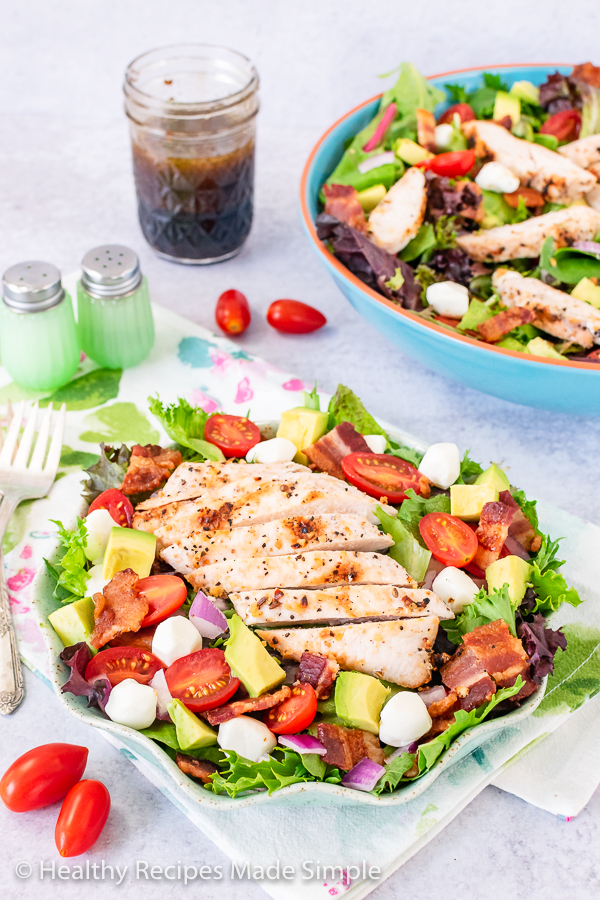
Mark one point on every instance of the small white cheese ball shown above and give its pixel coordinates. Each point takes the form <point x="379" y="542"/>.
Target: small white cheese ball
<point x="443" y="135"/>
<point x="98" y="525"/>
<point x="441" y="464"/>
<point x="174" y="638"/>
<point x="455" y="587"/>
<point x="404" y="718"/>
<point x="131" y="703"/>
<point x="496" y="177"/>
<point x="277" y="450"/>
<point x="448" y="298"/>
<point x="96" y="582"/>
<point x="248" y="737"/>
<point x="375" y="442"/>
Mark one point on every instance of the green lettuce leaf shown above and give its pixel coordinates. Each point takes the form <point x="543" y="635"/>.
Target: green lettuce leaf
<point x="184" y="424"/>
<point x="499" y="212"/>
<point x="411" y="92"/>
<point x="415" y="507"/>
<point x="406" y="550"/>
<point x="424" y="240"/>
<point x="345" y="406"/>
<point x="528" y="507"/>
<point x="394" y="771"/>
<point x="485" y="608"/>
<point x="409" y="454"/>
<point x="551" y="589"/>
<point x="108" y="472"/>
<point x="469" y="470"/>
<point x="284" y="767"/>
<point x="72" y="571"/>
<point x="477" y="313"/>
<point x="568" y="264"/>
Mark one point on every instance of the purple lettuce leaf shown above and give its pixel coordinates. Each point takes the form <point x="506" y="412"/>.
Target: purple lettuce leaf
<point x="77" y="658"/>
<point x="453" y="264"/>
<point x="541" y="644"/>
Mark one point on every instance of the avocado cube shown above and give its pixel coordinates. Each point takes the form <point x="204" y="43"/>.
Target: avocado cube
<point x="359" y="699"/>
<point x="507" y="105"/>
<point x="74" y="622"/>
<point x="128" y="548"/>
<point x="513" y="571"/>
<point x="192" y="732"/>
<point x="371" y="197"/>
<point x="587" y="291"/>
<point x="410" y="152"/>
<point x="250" y="661"/>
<point x="467" y="500"/>
<point x="302" y="427"/>
<point x="494" y="475"/>
<point x="527" y="91"/>
<point x="540" y="347"/>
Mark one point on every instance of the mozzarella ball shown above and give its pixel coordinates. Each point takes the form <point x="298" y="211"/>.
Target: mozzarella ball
<point x="404" y="719"/>
<point x="98" y="525"/>
<point x="174" y="638"/>
<point x="441" y="464"/>
<point x="131" y="703"/>
<point x="443" y="135"/>
<point x="248" y="737"/>
<point x="496" y="177"/>
<point x="96" y="582"/>
<point x="455" y="587"/>
<point x="277" y="450"/>
<point x="375" y="442"/>
<point x="448" y="298"/>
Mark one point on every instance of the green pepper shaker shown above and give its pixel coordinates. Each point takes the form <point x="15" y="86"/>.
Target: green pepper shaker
<point x="116" y="328"/>
<point x="38" y="336"/>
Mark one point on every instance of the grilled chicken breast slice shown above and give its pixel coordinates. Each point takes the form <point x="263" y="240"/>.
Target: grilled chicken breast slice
<point x="314" y="569"/>
<point x="525" y="240"/>
<point x="398" y="651"/>
<point x="278" y="538"/>
<point x="555" y="176"/>
<point x="555" y="311"/>
<point x="583" y="152"/>
<point x="337" y="604"/>
<point x="397" y="218"/>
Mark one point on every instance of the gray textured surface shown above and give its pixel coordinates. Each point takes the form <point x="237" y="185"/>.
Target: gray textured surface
<point x="65" y="186"/>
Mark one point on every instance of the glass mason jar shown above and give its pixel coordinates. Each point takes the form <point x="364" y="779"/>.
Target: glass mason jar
<point x="192" y="110"/>
<point x="38" y="338"/>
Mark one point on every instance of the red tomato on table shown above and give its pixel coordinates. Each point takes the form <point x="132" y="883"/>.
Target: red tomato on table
<point x="463" y="110"/>
<point x="164" y="593"/>
<point x="233" y="435"/>
<point x="295" y="713"/>
<point x="117" y="504"/>
<point x="42" y="776"/>
<point x="449" y="539"/>
<point x="565" y="125"/>
<point x="119" y="663"/>
<point x="202" y="680"/>
<point x="232" y="312"/>
<point x="294" y="317"/>
<point x="82" y="817"/>
<point x="382" y="475"/>
<point x="450" y="165"/>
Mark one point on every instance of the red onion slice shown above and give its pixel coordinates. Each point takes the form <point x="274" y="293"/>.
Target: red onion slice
<point x="374" y="162"/>
<point x="433" y="695"/>
<point x="364" y="776"/>
<point x="587" y="246"/>
<point x="302" y="743"/>
<point x="515" y="548"/>
<point x="405" y="748"/>
<point x="381" y="129"/>
<point x="163" y="695"/>
<point x="205" y="616"/>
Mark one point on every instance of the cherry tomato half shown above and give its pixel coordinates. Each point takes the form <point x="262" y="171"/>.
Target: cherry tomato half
<point x="232" y="312"/>
<point x="294" y="317"/>
<point x="164" y="593"/>
<point x="82" y="817"/>
<point x="463" y="110"/>
<point x="565" y="125"/>
<point x="295" y="713"/>
<point x="202" y="680"/>
<point x="119" y="663"/>
<point x="451" y="165"/>
<point x="42" y="776"/>
<point x="117" y="504"/>
<point x="233" y="435"/>
<point x="449" y="539"/>
<point x="381" y="475"/>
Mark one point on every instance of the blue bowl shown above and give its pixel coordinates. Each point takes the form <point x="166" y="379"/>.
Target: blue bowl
<point x="557" y="385"/>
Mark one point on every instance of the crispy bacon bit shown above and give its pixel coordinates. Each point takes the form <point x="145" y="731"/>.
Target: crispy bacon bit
<point x="494" y="329"/>
<point x="467" y="677"/>
<point x="491" y="533"/>
<point x="327" y="453"/>
<point x="318" y="671"/>
<point x="252" y="704"/>
<point x="197" y="768"/>
<point x="347" y="746"/>
<point x="118" y="609"/>
<point x="531" y="198"/>
<point x="588" y="73"/>
<point x="426" y="129"/>
<point x="441" y="707"/>
<point x="141" y="639"/>
<point x="148" y="468"/>
<point x="521" y="528"/>
<point x="341" y="202"/>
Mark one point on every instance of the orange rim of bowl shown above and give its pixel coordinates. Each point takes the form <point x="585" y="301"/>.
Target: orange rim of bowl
<point x="347" y="274"/>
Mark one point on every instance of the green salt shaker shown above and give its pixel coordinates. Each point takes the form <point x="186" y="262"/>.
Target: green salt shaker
<point x="115" y="322"/>
<point x="38" y="336"/>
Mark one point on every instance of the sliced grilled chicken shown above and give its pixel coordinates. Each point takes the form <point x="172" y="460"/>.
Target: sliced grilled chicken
<point x="276" y="538"/>
<point x="555" y="176"/>
<point x="397" y="218"/>
<point x="555" y="311"/>
<point x="337" y="604"/>
<point x="315" y="569"/>
<point x="593" y="196"/>
<point x="192" y="480"/>
<point x="583" y="152"/>
<point x="398" y="651"/>
<point x="525" y="240"/>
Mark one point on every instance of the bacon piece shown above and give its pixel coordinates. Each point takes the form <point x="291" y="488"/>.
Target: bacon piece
<point x="441" y="707"/>
<point x="347" y="746"/>
<point x="426" y="129"/>
<point x="327" y="453"/>
<point x="318" y="671"/>
<point x="148" y="468"/>
<point x="521" y="528"/>
<point x="118" y="609"/>
<point x="197" y="768"/>
<point x="588" y="73"/>
<point x="531" y="198"/>
<point x="501" y="654"/>
<point x="466" y="675"/>
<point x="341" y="202"/>
<point x="494" y="329"/>
<point x="141" y="639"/>
<point x="491" y="533"/>
<point x="252" y="704"/>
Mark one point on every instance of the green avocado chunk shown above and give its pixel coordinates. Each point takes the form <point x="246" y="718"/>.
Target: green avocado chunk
<point x="74" y="622"/>
<point x="494" y="475"/>
<point x="192" y="732"/>
<point x="302" y="427"/>
<point x="512" y="571"/>
<point x="359" y="699"/>
<point x="128" y="548"/>
<point x="250" y="661"/>
<point x="467" y="500"/>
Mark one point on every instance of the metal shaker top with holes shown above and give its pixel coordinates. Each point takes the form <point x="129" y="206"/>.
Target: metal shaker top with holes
<point x="110" y="271"/>
<point x="32" y="286"/>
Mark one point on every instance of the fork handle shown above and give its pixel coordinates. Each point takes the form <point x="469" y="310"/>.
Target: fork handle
<point x="12" y="688"/>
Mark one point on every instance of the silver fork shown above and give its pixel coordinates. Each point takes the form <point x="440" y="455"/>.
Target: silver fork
<point x="22" y="479"/>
